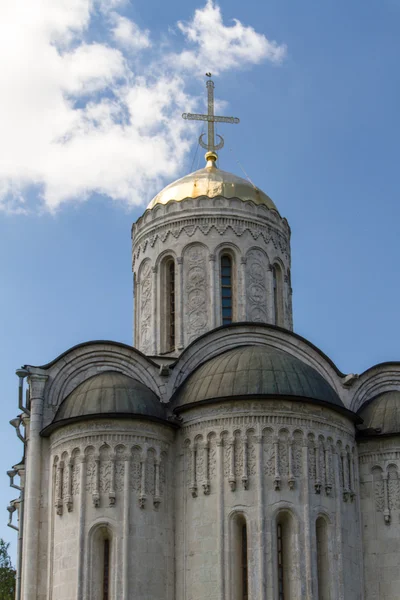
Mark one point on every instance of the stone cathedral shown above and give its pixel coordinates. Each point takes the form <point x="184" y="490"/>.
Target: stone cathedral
<point x="222" y="456"/>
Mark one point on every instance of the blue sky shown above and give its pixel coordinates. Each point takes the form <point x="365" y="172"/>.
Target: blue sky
<point x="91" y="135"/>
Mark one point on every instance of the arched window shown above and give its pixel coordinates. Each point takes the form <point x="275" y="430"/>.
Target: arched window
<point x="167" y="305"/>
<point x="171" y="303"/>
<point x="240" y="559"/>
<point x="285" y="559"/>
<point x="106" y="569"/>
<point x="321" y="530"/>
<point x="101" y="563"/>
<point x="278" y="294"/>
<point x="226" y="289"/>
<point x="244" y="569"/>
<point x="281" y="592"/>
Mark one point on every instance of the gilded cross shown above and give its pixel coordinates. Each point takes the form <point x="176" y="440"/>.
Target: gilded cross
<point x="210" y="118"/>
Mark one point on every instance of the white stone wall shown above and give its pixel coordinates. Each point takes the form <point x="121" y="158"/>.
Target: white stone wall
<point x="114" y="473"/>
<point x="380" y="508"/>
<point x="195" y="233"/>
<point x="258" y="459"/>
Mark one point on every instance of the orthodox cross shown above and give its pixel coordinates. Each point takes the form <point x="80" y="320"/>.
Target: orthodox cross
<point x="210" y="118"/>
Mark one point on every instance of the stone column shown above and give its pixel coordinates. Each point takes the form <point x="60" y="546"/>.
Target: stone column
<point x="37" y="382"/>
<point x="213" y="300"/>
<point x="179" y="260"/>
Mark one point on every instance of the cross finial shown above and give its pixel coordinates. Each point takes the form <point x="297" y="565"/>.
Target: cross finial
<point x="210" y="118"/>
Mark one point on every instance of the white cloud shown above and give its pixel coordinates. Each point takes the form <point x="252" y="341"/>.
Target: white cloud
<point x="128" y="35"/>
<point x="78" y="117"/>
<point x="219" y="47"/>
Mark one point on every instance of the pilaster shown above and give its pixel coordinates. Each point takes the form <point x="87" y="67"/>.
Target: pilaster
<point x="37" y="382"/>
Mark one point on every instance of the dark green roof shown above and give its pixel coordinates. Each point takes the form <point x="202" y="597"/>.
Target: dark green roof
<point x="255" y="371"/>
<point x="381" y="416"/>
<point x="108" y="394"/>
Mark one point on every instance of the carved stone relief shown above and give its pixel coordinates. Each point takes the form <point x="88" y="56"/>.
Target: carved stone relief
<point x="146" y="290"/>
<point x="196" y="291"/>
<point x="105" y="474"/>
<point x="256" y="286"/>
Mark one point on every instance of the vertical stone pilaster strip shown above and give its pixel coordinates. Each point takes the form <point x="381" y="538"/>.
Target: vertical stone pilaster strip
<point x="179" y="260"/>
<point x="81" y="534"/>
<point x="270" y="296"/>
<point x="50" y="541"/>
<point x="338" y="576"/>
<point x="125" y="533"/>
<point x="220" y="516"/>
<point x="261" y="519"/>
<point x="213" y="287"/>
<point x="307" y="526"/>
<point x="154" y="307"/>
<point x="241" y="291"/>
<point x="29" y="574"/>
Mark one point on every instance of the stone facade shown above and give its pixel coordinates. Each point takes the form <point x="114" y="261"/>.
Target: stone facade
<point x="272" y="495"/>
<point x="195" y="234"/>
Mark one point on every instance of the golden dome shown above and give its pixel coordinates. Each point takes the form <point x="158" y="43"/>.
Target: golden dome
<point x="211" y="182"/>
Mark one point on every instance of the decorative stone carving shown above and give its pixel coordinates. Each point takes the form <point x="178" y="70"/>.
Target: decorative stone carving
<point x="256" y="286"/>
<point x="135" y="469"/>
<point x="393" y="488"/>
<point x="146" y="290"/>
<point x="196" y="291"/>
<point x="76" y="478"/>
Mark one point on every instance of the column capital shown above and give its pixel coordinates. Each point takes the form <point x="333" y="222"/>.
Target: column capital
<point x="211" y="257"/>
<point x="179" y="260"/>
<point x="243" y="260"/>
<point x="37" y="382"/>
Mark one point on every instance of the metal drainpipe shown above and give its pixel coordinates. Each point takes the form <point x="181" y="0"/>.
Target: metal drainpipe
<point x="21" y="373"/>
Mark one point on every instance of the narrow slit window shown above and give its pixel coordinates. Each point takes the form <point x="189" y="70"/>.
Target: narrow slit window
<point x="281" y="581"/>
<point x="226" y="289"/>
<point x="322" y="559"/>
<point x="106" y="569"/>
<point x="171" y="304"/>
<point x="245" y="584"/>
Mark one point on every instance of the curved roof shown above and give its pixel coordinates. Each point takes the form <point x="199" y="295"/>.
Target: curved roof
<point x="211" y="182"/>
<point x="381" y="416"/>
<point x="255" y="371"/>
<point x="108" y="394"/>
